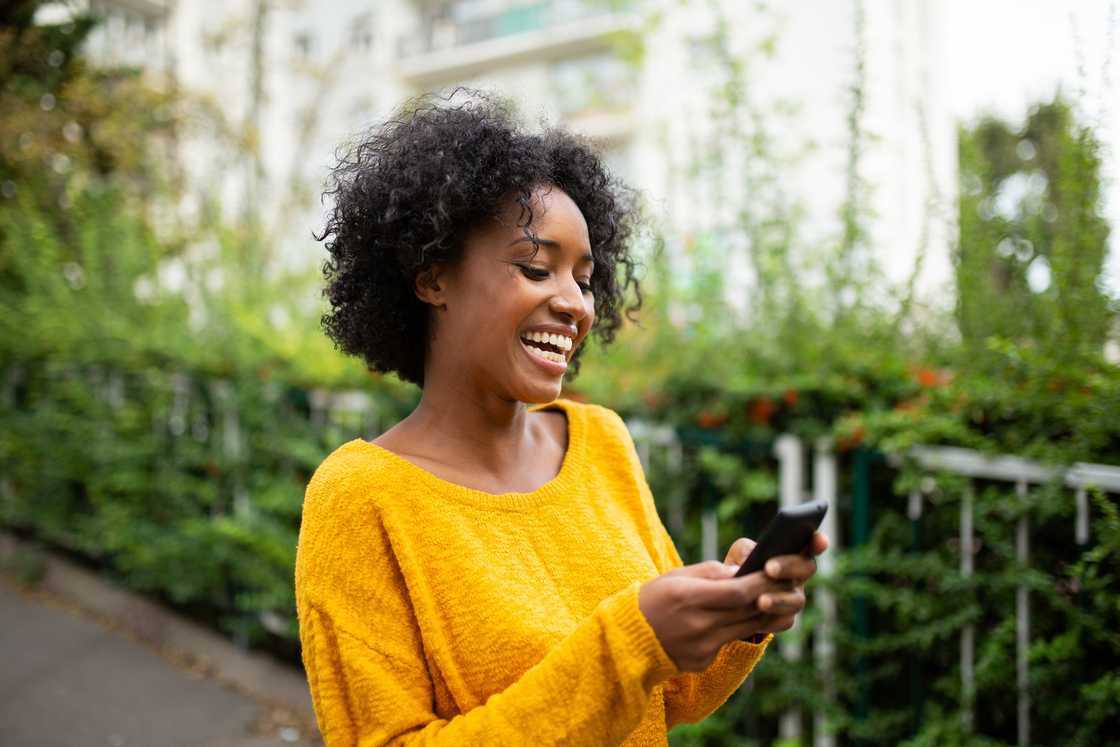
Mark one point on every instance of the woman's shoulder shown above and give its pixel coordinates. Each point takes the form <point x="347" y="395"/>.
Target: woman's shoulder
<point x="342" y="533"/>
<point x="354" y="470"/>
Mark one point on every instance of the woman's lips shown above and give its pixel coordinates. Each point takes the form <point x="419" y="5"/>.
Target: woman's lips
<point x="553" y="367"/>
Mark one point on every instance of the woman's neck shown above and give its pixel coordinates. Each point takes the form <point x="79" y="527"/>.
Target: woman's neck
<point x="458" y="427"/>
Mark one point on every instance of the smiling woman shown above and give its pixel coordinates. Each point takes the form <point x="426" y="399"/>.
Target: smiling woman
<point x="492" y="569"/>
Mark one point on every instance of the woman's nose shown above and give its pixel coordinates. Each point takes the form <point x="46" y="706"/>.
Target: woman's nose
<point x="569" y="300"/>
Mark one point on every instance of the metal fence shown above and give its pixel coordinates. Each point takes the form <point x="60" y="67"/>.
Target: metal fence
<point x="790" y="453"/>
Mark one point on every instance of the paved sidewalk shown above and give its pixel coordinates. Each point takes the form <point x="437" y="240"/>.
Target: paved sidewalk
<point x="67" y="681"/>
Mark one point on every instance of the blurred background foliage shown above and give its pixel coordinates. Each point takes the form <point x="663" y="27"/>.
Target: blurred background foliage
<point x="163" y="432"/>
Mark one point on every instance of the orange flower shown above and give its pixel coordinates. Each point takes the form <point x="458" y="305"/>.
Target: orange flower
<point x="761" y="410"/>
<point x="790" y="397"/>
<point x="927" y="377"/>
<point x="850" y="440"/>
<point x="931" y="377"/>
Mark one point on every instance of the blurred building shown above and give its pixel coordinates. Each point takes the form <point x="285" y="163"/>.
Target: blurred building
<point x="297" y="78"/>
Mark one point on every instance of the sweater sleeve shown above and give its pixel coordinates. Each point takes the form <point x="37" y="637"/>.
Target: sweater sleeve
<point x="692" y="696"/>
<point x="591" y="689"/>
<point x="367" y="663"/>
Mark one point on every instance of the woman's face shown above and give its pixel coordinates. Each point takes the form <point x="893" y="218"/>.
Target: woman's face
<point x="501" y="299"/>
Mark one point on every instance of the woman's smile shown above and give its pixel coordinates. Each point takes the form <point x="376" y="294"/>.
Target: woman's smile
<point x="554" y="363"/>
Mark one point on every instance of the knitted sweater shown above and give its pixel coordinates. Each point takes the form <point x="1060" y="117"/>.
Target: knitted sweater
<point x="431" y="613"/>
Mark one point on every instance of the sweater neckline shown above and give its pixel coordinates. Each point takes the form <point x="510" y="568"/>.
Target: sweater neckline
<point x="562" y="483"/>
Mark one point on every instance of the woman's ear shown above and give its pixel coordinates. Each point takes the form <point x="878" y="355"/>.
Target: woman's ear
<point x="430" y="286"/>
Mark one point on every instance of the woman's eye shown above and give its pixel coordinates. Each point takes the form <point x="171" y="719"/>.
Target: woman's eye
<point x="533" y="272"/>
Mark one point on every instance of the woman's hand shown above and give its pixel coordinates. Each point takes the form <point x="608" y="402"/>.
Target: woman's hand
<point x="795" y="570"/>
<point x="696" y="609"/>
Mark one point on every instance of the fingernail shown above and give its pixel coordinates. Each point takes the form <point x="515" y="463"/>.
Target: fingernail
<point x="733" y="569"/>
<point x="773" y="568"/>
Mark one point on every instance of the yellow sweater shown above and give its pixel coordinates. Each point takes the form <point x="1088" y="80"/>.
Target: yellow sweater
<point x="435" y="614"/>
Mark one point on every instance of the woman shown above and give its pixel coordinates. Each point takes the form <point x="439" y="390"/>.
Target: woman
<point x="492" y="569"/>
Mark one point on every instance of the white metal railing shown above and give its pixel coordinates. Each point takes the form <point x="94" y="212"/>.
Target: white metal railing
<point x="825" y="487"/>
<point x="789" y="451"/>
<point x="463" y="26"/>
<point x="1023" y="473"/>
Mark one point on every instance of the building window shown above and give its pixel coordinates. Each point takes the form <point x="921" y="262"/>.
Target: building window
<point x="361" y="33"/>
<point x="601" y="83"/>
<point x="304" y="45"/>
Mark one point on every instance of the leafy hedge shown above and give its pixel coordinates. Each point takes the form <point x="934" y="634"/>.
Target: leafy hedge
<point x="174" y="461"/>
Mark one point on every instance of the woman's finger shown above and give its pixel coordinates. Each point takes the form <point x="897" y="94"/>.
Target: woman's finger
<point x="788" y="603"/>
<point x="796" y="568"/>
<point x="737" y="593"/>
<point x="818" y="544"/>
<point x="739" y="551"/>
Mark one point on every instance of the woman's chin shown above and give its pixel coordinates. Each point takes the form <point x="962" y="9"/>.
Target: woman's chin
<point x="539" y="392"/>
<point x="541" y="398"/>
<point x="537" y="383"/>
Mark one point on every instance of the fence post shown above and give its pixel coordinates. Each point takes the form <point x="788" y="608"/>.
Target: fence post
<point x="709" y="524"/>
<point x="861" y="529"/>
<point x="1023" y="619"/>
<point x="677" y="499"/>
<point x="824" y="488"/>
<point x="791" y="492"/>
<point x="233" y="443"/>
<point x="1081" y="528"/>
<point x="917" y="680"/>
<point x="645" y="436"/>
<point x="968" y="634"/>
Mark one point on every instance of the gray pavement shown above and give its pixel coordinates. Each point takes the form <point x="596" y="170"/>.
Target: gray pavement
<point x="67" y="681"/>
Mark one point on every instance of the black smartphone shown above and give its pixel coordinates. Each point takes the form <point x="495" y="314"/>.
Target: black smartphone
<point x="788" y="533"/>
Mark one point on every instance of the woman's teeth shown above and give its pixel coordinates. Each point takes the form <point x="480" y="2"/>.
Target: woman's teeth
<point x="536" y="343"/>
<point x="548" y="355"/>
<point x="560" y="341"/>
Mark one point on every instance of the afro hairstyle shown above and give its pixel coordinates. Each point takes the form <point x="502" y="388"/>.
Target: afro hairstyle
<point x="406" y="193"/>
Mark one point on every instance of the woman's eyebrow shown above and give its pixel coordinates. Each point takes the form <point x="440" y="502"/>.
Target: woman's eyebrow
<point x="550" y="243"/>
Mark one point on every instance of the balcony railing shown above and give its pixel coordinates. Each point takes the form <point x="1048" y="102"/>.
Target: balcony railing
<point x="460" y="29"/>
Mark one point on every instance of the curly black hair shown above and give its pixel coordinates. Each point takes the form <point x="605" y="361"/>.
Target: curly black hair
<point x="406" y="194"/>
